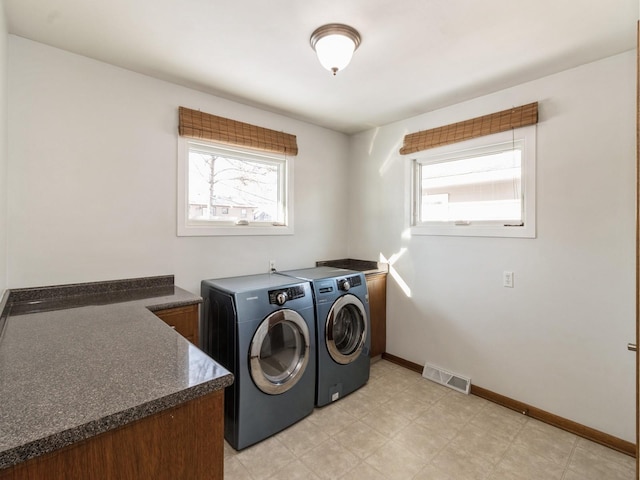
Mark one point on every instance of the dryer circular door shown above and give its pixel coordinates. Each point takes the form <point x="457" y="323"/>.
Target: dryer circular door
<point x="346" y="329"/>
<point x="279" y="352"/>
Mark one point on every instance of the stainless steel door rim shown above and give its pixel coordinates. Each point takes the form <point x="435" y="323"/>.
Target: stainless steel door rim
<point x="346" y="329"/>
<point x="279" y="352"/>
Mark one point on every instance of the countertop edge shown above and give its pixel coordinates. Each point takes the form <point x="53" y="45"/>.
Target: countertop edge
<point x="4" y="300"/>
<point x="154" y="307"/>
<point x="64" y="438"/>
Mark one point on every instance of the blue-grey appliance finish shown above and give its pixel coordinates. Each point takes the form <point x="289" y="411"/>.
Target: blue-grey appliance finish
<point x="262" y="329"/>
<point x="342" y="328"/>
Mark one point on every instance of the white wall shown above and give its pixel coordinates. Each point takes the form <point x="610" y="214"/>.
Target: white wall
<point x="92" y="178"/>
<point x="558" y="339"/>
<point x="3" y="151"/>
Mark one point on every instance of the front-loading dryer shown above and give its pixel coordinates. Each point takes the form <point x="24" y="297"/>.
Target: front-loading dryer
<point x="262" y="329"/>
<point x="342" y="330"/>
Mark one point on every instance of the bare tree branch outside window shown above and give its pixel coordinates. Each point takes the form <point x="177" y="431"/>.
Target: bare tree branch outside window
<point x="243" y="188"/>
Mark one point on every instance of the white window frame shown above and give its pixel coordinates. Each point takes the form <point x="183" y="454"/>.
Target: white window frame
<point x="186" y="228"/>
<point x="526" y="135"/>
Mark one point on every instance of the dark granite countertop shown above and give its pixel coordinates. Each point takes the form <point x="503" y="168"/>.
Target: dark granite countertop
<point x="365" y="266"/>
<point x="79" y="360"/>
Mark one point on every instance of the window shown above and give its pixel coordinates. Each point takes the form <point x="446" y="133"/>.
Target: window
<point x="232" y="191"/>
<point x="480" y="187"/>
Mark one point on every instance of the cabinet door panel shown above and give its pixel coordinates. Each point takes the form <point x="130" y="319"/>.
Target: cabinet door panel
<point x="183" y="319"/>
<point x="377" y="286"/>
<point x="184" y="442"/>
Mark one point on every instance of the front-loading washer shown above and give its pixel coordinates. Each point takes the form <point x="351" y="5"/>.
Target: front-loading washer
<point x="342" y="330"/>
<point x="262" y="329"/>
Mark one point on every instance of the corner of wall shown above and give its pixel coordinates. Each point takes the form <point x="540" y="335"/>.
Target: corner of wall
<point x="4" y="161"/>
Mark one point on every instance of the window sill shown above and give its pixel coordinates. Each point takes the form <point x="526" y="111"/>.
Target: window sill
<point x="475" y="231"/>
<point x="232" y="230"/>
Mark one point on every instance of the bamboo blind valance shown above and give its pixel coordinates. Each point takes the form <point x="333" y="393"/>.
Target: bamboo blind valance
<point x="196" y="124"/>
<point x="468" y="129"/>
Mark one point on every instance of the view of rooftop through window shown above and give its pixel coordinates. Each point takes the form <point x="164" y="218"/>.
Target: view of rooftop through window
<point x="480" y="188"/>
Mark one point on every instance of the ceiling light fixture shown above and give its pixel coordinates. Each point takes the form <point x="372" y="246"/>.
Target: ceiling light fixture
<point x="334" y="44"/>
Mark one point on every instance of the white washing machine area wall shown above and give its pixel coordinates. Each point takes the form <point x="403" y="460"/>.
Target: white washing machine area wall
<point x="342" y="330"/>
<point x="262" y="329"/>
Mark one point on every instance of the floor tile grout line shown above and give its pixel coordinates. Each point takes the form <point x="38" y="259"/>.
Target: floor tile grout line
<point x="406" y="386"/>
<point x="495" y="464"/>
<point x="371" y="454"/>
<point x="511" y="443"/>
<point x="570" y="457"/>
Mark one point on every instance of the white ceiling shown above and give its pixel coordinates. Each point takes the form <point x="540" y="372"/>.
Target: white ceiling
<point x="415" y="56"/>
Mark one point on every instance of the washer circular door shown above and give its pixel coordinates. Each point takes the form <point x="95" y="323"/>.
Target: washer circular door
<point x="279" y="352"/>
<point x="346" y="329"/>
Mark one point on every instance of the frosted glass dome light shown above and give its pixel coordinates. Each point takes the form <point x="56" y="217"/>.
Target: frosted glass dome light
<point x="334" y="44"/>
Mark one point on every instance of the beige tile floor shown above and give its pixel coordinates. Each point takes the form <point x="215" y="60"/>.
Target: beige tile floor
<point x="401" y="426"/>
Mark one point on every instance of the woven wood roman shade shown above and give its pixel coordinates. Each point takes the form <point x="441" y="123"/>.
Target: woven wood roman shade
<point x="196" y="124"/>
<point x="468" y="129"/>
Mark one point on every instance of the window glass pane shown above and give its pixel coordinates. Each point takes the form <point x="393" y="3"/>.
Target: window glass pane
<point x="480" y="188"/>
<point x="483" y="187"/>
<point x="223" y="188"/>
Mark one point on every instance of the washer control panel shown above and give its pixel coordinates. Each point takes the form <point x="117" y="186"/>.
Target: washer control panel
<point x="283" y="295"/>
<point x="345" y="284"/>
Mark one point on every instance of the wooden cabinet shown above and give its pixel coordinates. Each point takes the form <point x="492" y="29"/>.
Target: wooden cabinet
<point x="377" y="286"/>
<point x="183" y="442"/>
<point x="183" y="319"/>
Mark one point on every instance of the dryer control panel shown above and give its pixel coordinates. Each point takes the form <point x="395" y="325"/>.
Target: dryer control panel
<point x="282" y="295"/>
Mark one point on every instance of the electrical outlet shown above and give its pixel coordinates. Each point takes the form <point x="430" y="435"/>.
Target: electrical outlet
<point x="272" y="265"/>
<point x="507" y="279"/>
